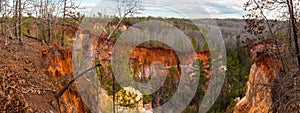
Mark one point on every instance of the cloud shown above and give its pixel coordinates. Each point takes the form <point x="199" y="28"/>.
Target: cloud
<point x="181" y="8"/>
<point x="225" y="7"/>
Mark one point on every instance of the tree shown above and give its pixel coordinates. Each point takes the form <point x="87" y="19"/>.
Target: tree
<point x="294" y="28"/>
<point x="258" y="22"/>
<point x="284" y="24"/>
<point x="4" y="11"/>
<point x="125" y="8"/>
<point x="18" y="20"/>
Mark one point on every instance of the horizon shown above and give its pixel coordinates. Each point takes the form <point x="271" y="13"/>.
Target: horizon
<point x="189" y="9"/>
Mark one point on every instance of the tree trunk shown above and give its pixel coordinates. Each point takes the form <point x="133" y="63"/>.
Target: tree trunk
<point x="4" y="24"/>
<point x="1" y="22"/>
<point x="20" y="22"/>
<point x="1" y="5"/>
<point x="114" y="96"/>
<point x="294" y="29"/>
<point x="16" y="18"/>
<point x="63" y="25"/>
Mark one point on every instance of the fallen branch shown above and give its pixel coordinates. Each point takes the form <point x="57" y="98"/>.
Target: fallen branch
<point x="62" y="79"/>
<point x="59" y="94"/>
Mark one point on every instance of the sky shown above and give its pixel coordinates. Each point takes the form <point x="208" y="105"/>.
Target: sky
<point x="191" y="9"/>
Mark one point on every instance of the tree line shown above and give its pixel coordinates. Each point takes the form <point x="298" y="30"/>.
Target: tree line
<point x="47" y="15"/>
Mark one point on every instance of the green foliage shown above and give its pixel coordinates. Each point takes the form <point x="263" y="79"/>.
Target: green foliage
<point x="182" y="23"/>
<point x="199" y="70"/>
<point x="68" y="43"/>
<point x="25" y="26"/>
<point x="238" y="65"/>
<point x="170" y="85"/>
<point x="106" y="79"/>
<point x="281" y="35"/>
<point x="204" y="31"/>
<point x="166" y="92"/>
<point x="194" y="42"/>
<point x="125" y="97"/>
<point x="115" y="33"/>
<point x="87" y="23"/>
<point x="173" y="71"/>
<point x="205" y="47"/>
<point x="147" y="99"/>
<point x="231" y="106"/>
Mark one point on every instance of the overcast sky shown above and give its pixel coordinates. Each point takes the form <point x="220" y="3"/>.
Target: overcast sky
<point x="175" y="8"/>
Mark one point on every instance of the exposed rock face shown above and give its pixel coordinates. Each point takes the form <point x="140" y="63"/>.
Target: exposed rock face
<point x="143" y="58"/>
<point x="57" y="60"/>
<point x="263" y="71"/>
<point x="58" y="63"/>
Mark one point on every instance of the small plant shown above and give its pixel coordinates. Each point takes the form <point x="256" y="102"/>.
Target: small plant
<point x="195" y="44"/>
<point x="67" y="42"/>
<point x="129" y="97"/>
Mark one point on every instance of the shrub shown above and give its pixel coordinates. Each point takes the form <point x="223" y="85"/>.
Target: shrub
<point x="129" y="97"/>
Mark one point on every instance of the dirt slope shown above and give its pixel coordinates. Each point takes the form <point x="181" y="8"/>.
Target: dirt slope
<point x="27" y="85"/>
<point x="24" y="86"/>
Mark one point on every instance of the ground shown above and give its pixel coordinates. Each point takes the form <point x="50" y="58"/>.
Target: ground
<point x="24" y="85"/>
<point x="27" y="76"/>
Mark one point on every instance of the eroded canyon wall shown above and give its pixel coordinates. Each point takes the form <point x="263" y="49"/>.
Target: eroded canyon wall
<point x="265" y="66"/>
<point x="58" y="64"/>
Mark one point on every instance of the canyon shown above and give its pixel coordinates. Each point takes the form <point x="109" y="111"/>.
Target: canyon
<point x="35" y="72"/>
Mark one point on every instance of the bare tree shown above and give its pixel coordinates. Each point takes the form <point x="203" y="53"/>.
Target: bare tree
<point x="3" y="12"/>
<point x="20" y="21"/>
<point x="294" y="28"/>
<point x="7" y="24"/>
<point x="16" y="17"/>
<point x="258" y="22"/>
<point x="69" y="12"/>
<point x="63" y="25"/>
<point x="284" y="24"/>
<point x="125" y="8"/>
<point x="51" y="16"/>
